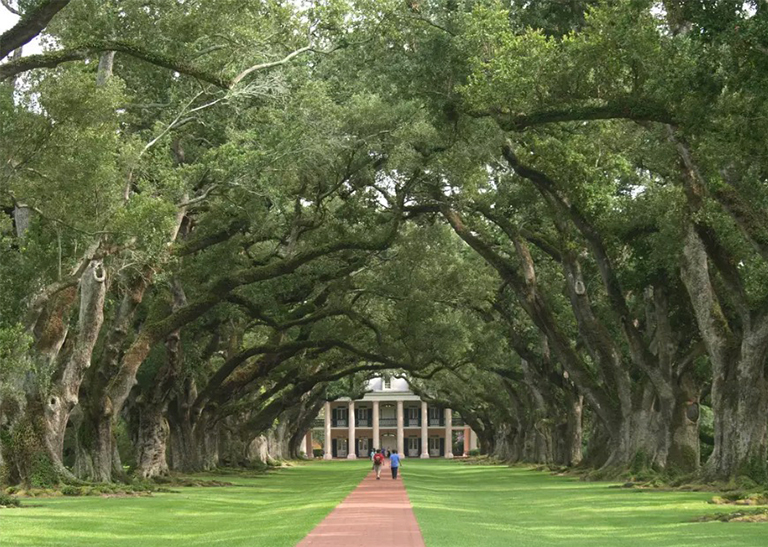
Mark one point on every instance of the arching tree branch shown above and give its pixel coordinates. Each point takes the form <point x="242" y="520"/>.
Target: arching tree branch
<point x="30" y="25"/>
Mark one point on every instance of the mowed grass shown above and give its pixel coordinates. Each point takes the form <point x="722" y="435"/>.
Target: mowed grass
<point x="276" y="509"/>
<point x="471" y="505"/>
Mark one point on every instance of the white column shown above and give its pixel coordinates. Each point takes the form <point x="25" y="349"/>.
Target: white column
<point x="303" y="446"/>
<point x="400" y="434"/>
<point x="376" y="437"/>
<point x="472" y="440"/>
<point x="327" y="454"/>
<point x="424" y="431"/>
<point x="351" y="455"/>
<point x="467" y="434"/>
<point x="448" y="433"/>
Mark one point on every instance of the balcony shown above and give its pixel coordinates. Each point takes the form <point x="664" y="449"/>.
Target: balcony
<point x="435" y="422"/>
<point x="363" y="423"/>
<point x="339" y="423"/>
<point x="412" y="423"/>
<point x="388" y="422"/>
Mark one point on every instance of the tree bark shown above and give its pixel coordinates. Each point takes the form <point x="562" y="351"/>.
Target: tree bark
<point x="37" y="451"/>
<point x="152" y="405"/>
<point x="96" y="447"/>
<point x="739" y="413"/>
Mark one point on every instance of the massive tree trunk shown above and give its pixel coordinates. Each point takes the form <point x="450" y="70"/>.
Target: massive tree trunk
<point x="523" y="281"/>
<point x="152" y="427"/>
<point x="658" y="366"/>
<point x="182" y="456"/>
<point x="64" y="392"/>
<point x="310" y="407"/>
<point x="36" y="444"/>
<point x="96" y="455"/>
<point x="194" y="444"/>
<point x="736" y="346"/>
<point x="152" y="432"/>
<point x="96" y="447"/>
<point x="573" y="431"/>
<point x="684" y="448"/>
<point x="739" y="412"/>
<point x="508" y="442"/>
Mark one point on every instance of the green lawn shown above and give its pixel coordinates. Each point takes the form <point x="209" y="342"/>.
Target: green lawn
<point x="273" y="510"/>
<point x="470" y="505"/>
<point x="455" y="504"/>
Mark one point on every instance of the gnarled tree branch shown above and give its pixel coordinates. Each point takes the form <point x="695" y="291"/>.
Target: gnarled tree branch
<point x="30" y="25"/>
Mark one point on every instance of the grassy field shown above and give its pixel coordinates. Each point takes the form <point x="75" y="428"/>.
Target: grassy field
<point x="470" y="505"/>
<point x="277" y="509"/>
<point x="455" y="504"/>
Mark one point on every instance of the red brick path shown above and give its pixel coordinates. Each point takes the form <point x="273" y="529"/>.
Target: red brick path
<point x="375" y="513"/>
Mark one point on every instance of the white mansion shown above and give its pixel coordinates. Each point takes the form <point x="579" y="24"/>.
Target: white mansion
<point x="392" y="417"/>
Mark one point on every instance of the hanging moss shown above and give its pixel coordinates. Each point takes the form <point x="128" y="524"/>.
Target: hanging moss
<point x="27" y="456"/>
<point x="640" y="463"/>
<point x="685" y="460"/>
<point x="753" y="469"/>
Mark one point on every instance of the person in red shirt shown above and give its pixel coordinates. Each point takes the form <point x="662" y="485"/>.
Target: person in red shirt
<point x="378" y="461"/>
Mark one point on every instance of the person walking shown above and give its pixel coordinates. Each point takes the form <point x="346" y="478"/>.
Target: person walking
<point x="378" y="462"/>
<point x="394" y="463"/>
<point x="373" y="455"/>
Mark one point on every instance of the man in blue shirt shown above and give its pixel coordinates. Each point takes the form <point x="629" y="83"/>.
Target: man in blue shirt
<point x="394" y="463"/>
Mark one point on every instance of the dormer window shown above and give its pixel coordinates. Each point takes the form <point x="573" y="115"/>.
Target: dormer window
<point x="387" y="382"/>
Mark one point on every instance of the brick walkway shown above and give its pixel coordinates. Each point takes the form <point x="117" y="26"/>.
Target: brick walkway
<point x="375" y="513"/>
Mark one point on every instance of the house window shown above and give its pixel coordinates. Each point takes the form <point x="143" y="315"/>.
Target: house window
<point x="340" y="416"/>
<point x="434" y="416"/>
<point x="363" y="417"/>
<point x="387" y="382"/>
<point x="413" y="416"/>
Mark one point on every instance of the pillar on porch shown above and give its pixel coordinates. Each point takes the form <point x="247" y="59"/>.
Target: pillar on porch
<point x="327" y="452"/>
<point x="424" y="431"/>
<point x="352" y="447"/>
<point x="400" y="433"/>
<point x="448" y="433"/>
<point x="376" y="436"/>
<point x="472" y="440"/>
<point x="466" y="440"/>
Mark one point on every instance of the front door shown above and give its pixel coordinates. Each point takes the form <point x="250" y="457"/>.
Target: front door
<point x="413" y="447"/>
<point x="341" y="448"/>
<point x="434" y="447"/>
<point x="389" y="442"/>
<point x="362" y="448"/>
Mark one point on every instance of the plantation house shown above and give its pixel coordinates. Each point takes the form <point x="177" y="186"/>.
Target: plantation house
<point x="392" y="417"/>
